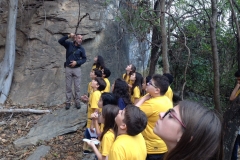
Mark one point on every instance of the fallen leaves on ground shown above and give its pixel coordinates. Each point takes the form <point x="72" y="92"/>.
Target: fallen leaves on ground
<point x="67" y="147"/>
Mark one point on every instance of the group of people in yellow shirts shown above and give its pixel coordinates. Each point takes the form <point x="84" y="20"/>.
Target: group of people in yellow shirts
<point x="136" y="119"/>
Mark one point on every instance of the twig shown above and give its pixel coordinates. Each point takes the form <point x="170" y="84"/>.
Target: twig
<point x="10" y="117"/>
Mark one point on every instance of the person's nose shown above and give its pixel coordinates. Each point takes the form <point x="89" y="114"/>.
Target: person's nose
<point x="161" y="114"/>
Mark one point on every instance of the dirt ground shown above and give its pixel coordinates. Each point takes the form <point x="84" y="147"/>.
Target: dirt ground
<point x="67" y="147"/>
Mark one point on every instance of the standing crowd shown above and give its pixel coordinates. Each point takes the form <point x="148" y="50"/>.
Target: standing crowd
<point x="134" y="119"/>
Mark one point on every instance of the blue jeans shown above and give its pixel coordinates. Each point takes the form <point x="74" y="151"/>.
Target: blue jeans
<point x="235" y="148"/>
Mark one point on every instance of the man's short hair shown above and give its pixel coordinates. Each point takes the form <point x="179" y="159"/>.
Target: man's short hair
<point x="97" y="72"/>
<point x="161" y="82"/>
<point x="101" y="83"/>
<point x="237" y="74"/>
<point x="107" y="72"/>
<point x="135" y="120"/>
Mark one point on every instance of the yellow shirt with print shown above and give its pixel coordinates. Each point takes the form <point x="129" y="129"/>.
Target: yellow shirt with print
<point x="152" y="108"/>
<point x="107" y="89"/>
<point x="107" y="142"/>
<point x="128" y="147"/>
<point x="136" y="94"/>
<point x="92" y="105"/>
<point x="169" y="93"/>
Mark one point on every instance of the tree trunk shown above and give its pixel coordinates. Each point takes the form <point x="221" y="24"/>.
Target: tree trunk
<point x="156" y="42"/>
<point x="23" y="110"/>
<point x="230" y="127"/>
<point x="7" y="65"/>
<point x="164" y="38"/>
<point x="213" y="21"/>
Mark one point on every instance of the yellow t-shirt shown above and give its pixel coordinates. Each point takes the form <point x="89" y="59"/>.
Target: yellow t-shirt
<point x="90" y="90"/>
<point x="169" y="94"/>
<point x="94" y="66"/>
<point x="93" y="105"/>
<point x="106" y="142"/>
<point x="136" y="94"/>
<point x="127" y="79"/>
<point x="128" y="147"/>
<point x="152" y="108"/>
<point x="107" y="89"/>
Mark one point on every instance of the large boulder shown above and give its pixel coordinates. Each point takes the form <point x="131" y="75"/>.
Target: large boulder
<point x="54" y="124"/>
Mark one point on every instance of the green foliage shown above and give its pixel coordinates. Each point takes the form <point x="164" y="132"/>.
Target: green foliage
<point x="200" y="75"/>
<point x="193" y="19"/>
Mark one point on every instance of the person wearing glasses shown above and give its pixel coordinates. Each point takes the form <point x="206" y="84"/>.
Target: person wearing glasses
<point x="233" y="96"/>
<point x="152" y="104"/>
<point x="190" y="131"/>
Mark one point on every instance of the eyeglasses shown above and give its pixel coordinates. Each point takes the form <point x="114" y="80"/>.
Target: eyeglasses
<point x="150" y="83"/>
<point x="169" y="112"/>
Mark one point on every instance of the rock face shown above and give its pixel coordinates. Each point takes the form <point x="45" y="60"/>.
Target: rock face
<point x="41" y="151"/>
<point x="39" y="76"/>
<point x="51" y="125"/>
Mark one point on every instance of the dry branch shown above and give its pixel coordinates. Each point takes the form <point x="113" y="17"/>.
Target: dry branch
<point x="24" y="110"/>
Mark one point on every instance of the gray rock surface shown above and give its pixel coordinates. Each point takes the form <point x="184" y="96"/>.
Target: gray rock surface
<point x="51" y="125"/>
<point x="89" y="156"/>
<point x="41" y="151"/>
<point x="39" y="75"/>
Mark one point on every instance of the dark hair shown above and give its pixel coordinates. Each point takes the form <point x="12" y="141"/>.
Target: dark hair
<point x="202" y="137"/>
<point x="169" y="76"/>
<point x="137" y="83"/>
<point x="237" y="74"/>
<point x="121" y="90"/>
<point x="148" y="78"/>
<point x="135" y="120"/>
<point x="161" y="82"/>
<point x="101" y="83"/>
<point x="109" y="112"/>
<point x="108" y="98"/>
<point x="97" y="72"/>
<point x="107" y="72"/>
<point x="100" y="62"/>
<point x="133" y="70"/>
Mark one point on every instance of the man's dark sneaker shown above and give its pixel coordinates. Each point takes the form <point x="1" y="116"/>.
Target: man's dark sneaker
<point x="67" y="106"/>
<point x="86" y="152"/>
<point x="78" y="105"/>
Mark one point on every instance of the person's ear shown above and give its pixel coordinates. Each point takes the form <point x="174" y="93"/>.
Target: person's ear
<point x="157" y="90"/>
<point x="123" y="126"/>
<point x="97" y="85"/>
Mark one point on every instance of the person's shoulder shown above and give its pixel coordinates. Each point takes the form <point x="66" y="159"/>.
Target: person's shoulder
<point x="136" y="88"/>
<point x="97" y="92"/>
<point x="109" y="134"/>
<point x="106" y="79"/>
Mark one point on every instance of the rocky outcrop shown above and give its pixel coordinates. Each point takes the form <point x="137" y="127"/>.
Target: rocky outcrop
<point x="39" y="73"/>
<point x="41" y="151"/>
<point x="51" y="125"/>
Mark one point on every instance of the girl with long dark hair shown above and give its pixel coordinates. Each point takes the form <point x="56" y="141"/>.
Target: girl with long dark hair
<point x="191" y="132"/>
<point x="136" y="90"/>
